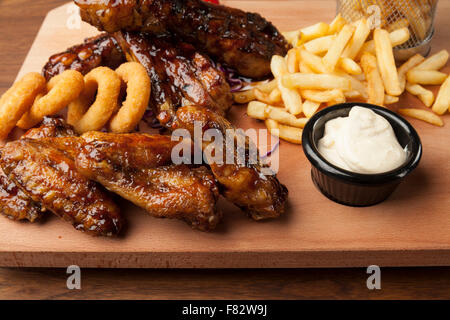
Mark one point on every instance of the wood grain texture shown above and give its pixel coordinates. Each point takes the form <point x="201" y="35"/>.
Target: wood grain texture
<point x="396" y="283"/>
<point x="409" y="229"/>
<point x="36" y="283"/>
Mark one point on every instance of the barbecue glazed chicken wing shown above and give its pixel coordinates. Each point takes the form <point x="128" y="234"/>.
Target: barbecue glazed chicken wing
<point x="138" y="167"/>
<point x="14" y="203"/>
<point x="49" y="177"/>
<point x="261" y="195"/>
<point x="244" y="41"/>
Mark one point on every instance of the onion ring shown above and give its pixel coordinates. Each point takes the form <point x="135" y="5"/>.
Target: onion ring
<point x="18" y="100"/>
<point x="138" y="94"/>
<point x="84" y="117"/>
<point x="61" y="90"/>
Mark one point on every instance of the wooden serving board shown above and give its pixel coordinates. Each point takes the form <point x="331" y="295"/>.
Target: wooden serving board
<point x="411" y="228"/>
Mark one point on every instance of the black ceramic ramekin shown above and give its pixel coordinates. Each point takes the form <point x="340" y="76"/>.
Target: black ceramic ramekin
<point x="356" y="189"/>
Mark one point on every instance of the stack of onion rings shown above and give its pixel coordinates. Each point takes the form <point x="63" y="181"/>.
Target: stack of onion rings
<point x="93" y="100"/>
<point x="86" y="117"/>
<point x="18" y="100"/>
<point x="61" y="90"/>
<point x="138" y="94"/>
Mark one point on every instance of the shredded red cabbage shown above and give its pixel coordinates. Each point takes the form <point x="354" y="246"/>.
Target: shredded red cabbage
<point x="236" y="82"/>
<point x="275" y="146"/>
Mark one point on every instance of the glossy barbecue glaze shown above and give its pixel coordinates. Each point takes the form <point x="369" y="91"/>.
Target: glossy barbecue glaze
<point x="14" y="203"/>
<point x="261" y="196"/>
<point x="49" y="177"/>
<point x="101" y="50"/>
<point x="242" y="40"/>
<point x="138" y="168"/>
<point x="179" y="74"/>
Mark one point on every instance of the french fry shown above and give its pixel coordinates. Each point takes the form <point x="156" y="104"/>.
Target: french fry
<point x="431" y="77"/>
<point x="397" y="24"/>
<point x="242" y="97"/>
<point x="349" y="66"/>
<point x="291" y="98"/>
<point x="310" y="107"/>
<point x="266" y="86"/>
<point x="316" y="81"/>
<point x="357" y="41"/>
<point x="256" y="109"/>
<point x="375" y="86"/>
<point x="337" y="24"/>
<point x="434" y="62"/>
<point x="356" y="85"/>
<point x="334" y="53"/>
<point x="263" y="111"/>
<point x="405" y="67"/>
<point x="312" y="61"/>
<point x="353" y="94"/>
<point x="272" y="125"/>
<point x="292" y="37"/>
<point x="320" y="45"/>
<point x="426" y="96"/>
<point x="396" y="37"/>
<point x="304" y="68"/>
<point x="290" y="134"/>
<point x="323" y="96"/>
<point x="312" y="32"/>
<point x="262" y="96"/>
<point x="246" y="96"/>
<point x="292" y="60"/>
<point x="423" y="115"/>
<point x="386" y="62"/>
<point x="442" y="102"/>
<point x="390" y="99"/>
<point x="275" y="96"/>
<point x="360" y="77"/>
<point x="284" y="117"/>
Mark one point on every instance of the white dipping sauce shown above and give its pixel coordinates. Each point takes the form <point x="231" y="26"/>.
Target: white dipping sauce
<point x="363" y="142"/>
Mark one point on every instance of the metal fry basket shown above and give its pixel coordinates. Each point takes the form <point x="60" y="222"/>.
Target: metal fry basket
<point x="417" y="15"/>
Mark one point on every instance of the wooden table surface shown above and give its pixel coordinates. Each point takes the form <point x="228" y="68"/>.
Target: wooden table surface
<point x="19" y="23"/>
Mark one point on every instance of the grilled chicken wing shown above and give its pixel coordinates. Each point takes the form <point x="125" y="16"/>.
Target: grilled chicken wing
<point x="50" y="178"/>
<point x="50" y="127"/>
<point x="14" y="203"/>
<point x="244" y="41"/>
<point x="261" y="196"/>
<point x="138" y="168"/>
<point x="101" y="50"/>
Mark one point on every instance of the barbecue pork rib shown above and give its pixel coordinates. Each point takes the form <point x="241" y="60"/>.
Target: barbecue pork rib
<point x="244" y="41"/>
<point x="49" y="177"/>
<point x="101" y="50"/>
<point x="179" y="74"/>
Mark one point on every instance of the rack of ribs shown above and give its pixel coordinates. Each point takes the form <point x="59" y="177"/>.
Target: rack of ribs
<point x="244" y="41"/>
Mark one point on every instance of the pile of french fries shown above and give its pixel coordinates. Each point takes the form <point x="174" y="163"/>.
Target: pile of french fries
<point x="338" y="62"/>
